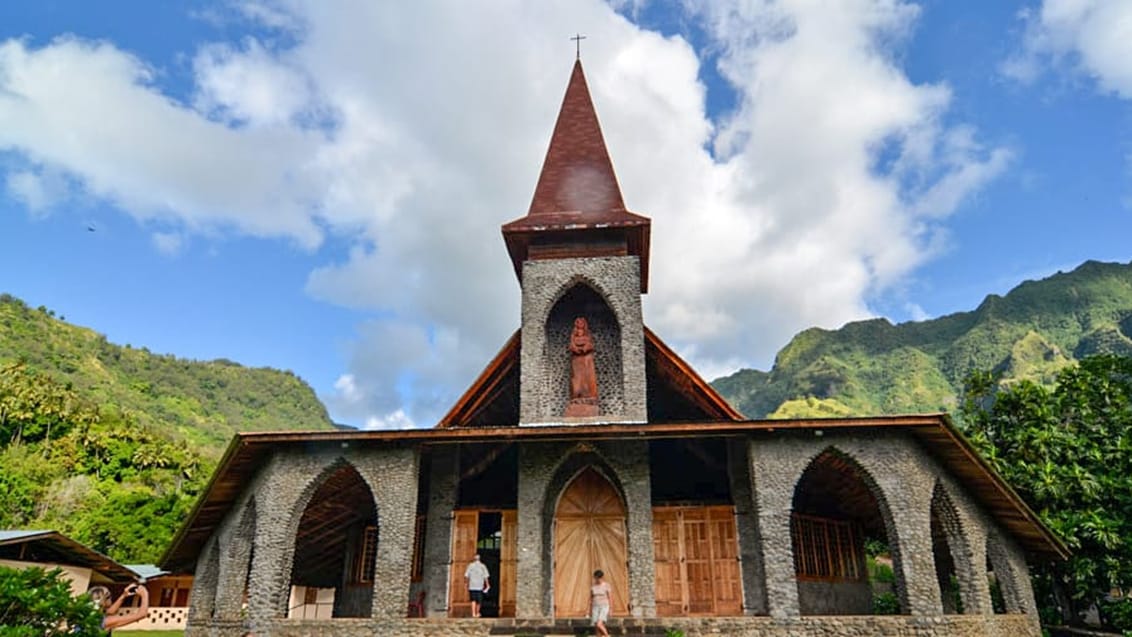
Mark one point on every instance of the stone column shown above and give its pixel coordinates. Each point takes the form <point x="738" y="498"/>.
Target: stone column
<point x="392" y="476"/>
<point x="444" y="482"/>
<point x="236" y="537"/>
<point x="202" y="600"/>
<point x="269" y="582"/>
<point x="630" y="459"/>
<point x="773" y="476"/>
<point x="747" y="526"/>
<point x="533" y="475"/>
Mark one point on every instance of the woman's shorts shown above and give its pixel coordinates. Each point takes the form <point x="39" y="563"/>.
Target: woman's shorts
<point x="600" y="613"/>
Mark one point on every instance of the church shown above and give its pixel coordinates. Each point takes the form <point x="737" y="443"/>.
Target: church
<point x="587" y="443"/>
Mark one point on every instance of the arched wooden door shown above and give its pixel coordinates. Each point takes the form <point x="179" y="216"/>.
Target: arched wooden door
<point x="589" y="534"/>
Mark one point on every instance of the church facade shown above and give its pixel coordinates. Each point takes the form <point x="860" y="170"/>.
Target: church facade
<point x="587" y="444"/>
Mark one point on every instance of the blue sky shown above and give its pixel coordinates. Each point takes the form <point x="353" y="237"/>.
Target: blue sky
<point x="319" y="186"/>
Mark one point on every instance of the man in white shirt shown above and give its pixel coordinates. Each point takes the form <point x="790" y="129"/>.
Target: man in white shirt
<point x="479" y="582"/>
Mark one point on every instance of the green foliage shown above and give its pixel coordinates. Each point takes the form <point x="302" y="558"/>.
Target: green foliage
<point x="1068" y="452"/>
<point x="203" y="403"/>
<point x="886" y="604"/>
<point x="38" y="603"/>
<point x="1118" y="614"/>
<point x="112" y="445"/>
<point x="673" y="632"/>
<point x="873" y="367"/>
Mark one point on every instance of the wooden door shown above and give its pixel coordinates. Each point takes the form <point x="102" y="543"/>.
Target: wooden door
<point x="465" y="529"/>
<point x="697" y="570"/>
<point x="589" y="534"/>
<point x="508" y="562"/>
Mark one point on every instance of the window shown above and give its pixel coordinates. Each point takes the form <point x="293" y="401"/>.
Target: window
<point x="826" y="549"/>
<point x="418" y="549"/>
<point x="367" y="555"/>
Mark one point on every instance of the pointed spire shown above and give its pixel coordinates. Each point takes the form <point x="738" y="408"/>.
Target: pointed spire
<point x="577" y="208"/>
<point x="577" y="174"/>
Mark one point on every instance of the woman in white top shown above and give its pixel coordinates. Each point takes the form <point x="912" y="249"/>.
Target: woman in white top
<point x="600" y="600"/>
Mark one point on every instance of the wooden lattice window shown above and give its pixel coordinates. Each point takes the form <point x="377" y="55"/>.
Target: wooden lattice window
<point x="367" y="555"/>
<point x="418" y="549"/>
<point x="826" y="549"/>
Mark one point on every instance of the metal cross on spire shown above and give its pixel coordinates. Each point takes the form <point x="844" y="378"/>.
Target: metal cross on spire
<point x="578" y="37"/>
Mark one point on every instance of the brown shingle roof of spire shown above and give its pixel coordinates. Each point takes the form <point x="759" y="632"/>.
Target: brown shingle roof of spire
<point x="577" y="190"/>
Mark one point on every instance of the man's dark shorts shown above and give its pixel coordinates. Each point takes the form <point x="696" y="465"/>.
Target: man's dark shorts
<point x="477" y="596"/>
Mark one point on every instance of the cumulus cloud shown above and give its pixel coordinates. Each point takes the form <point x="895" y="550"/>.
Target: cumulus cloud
<point x="1094" y="36"/>
<point x="414" y="137"/>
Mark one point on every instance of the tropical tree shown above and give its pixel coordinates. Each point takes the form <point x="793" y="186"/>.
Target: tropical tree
<point x="38" y="603"/>
<point x="1067" y="449"/>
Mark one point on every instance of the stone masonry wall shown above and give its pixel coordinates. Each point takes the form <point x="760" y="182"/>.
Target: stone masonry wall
<point x="444" y="484"/>
<point x="284" y="487"/>
<point x="844" y="626"/>
<point x="544" y="471"/>
<point x="617" y="281"/>
<point x="902" y="479"/>
<point x="747" y="527"/>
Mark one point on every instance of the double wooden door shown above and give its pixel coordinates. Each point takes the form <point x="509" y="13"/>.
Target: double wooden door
<point x="697" y="561"/>
<point x="465" y="544"/>
<point x="589" y="534"/>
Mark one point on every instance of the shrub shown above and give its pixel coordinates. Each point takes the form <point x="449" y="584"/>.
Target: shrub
<point x="38" y="603"/>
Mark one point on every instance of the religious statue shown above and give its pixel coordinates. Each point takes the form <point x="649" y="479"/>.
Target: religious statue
<point x="583" y="373"/>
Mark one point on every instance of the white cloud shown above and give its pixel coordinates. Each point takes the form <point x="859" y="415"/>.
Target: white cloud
<point x="415" y="137"/>
<point x="39" y="191"/>
<point x="1095" y="36"/>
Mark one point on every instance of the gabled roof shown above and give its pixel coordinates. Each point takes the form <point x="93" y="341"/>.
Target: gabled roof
<point x="676" y="391"/>
<point x="248" y="451"/>
<point x="55" y="548"/>
<point x="577" y="195"/>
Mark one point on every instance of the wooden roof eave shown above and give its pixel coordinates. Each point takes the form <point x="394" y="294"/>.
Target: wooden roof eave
<point x="989" y="488"/>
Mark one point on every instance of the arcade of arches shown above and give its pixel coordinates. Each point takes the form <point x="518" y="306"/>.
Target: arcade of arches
<point x="674" y="523"/>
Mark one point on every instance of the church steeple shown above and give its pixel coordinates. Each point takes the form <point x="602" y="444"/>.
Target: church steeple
<point x="577" y="209"/>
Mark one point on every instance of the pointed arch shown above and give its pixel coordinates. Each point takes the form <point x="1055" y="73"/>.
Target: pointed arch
<point x="837" y="508"/>
<point x="573" y="467"/>
<point x="581" y="297"/>
<point x="202" y="600"/>
<point x="335" y="540"/>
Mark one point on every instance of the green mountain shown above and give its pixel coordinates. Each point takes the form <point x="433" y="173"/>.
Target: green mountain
<point x="112" y="445"/>
<point x="200" y="402"/>
<point x="875" y="367"/>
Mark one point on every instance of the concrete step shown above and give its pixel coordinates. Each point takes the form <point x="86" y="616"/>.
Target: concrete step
<point x="578" y="627"/>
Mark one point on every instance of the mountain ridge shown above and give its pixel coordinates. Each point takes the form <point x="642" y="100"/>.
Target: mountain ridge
<point x="876" y="367"/>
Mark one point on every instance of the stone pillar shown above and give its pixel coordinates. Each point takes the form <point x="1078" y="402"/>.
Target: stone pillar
<point x="773" y="476"/>
<point x="202" y="599"/>
<point x="533" y="476"/>
<point x="966" y="539"/>
<point x="444" y="482"/>
<point x="747" y="526"/>
<point x="907" y="489"/>
<point x="236" y="537"/>
<point x="630" y="459"/>
<point x="392" y="477"/>
<point x="278" y="511"/>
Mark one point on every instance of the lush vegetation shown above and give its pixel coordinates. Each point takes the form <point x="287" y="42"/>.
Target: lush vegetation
<point x="201" y="402"/>
<point x="111" y="445"/>
<point x="1067" y="449"/>
<point x="38" y="603"/>
<point x="872" y="367"/>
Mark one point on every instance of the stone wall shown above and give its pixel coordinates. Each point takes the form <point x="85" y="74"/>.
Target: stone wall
<point x="835" y="598"/>
<point x="847" y="626"/>
<point x="281" y="491"/>
<point x="616" y="280"/>
<point x="747" y="526"/>
<point x="444" y="487"/>
<point x="544" y="471"/>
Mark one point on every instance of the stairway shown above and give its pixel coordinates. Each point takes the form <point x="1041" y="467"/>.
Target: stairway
<point x="579" y="627"/>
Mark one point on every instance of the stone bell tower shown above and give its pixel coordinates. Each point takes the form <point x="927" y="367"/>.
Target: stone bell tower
<point x="582" y="261"/>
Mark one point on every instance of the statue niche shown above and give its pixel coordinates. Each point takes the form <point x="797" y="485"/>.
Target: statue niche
<point x="583" y="400"/>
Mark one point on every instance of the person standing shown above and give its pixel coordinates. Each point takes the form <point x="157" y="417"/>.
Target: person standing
<point x="479" y="582"/>
<point x="600" y="601"/>
<point x="110" y="617"/>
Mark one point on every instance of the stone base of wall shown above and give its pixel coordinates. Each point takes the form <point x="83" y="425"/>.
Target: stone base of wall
<point x="842" y="626"/>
